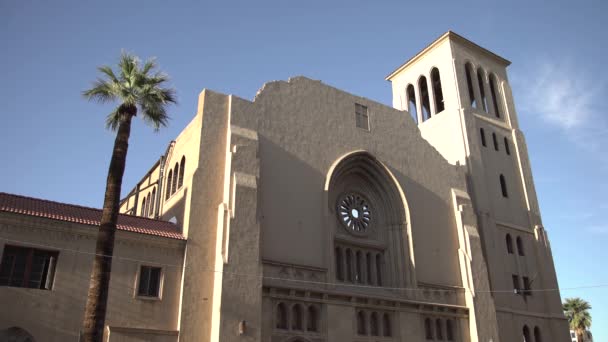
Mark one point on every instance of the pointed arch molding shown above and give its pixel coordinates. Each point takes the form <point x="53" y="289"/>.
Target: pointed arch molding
<point x="360" y="171"/>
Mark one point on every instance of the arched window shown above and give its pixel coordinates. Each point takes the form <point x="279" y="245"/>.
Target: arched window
<point x="143" y="207"/>
<point x="495" y="141"/>
<point x="503" y="186"/>
<point x="349" y="265"/>
<point x="509" y="244"/>
<point x="424" y="98"/>
<point x="537" y="337"/>
<point x="312" y="319"/>
<point x="520" y="246"/>
<point x="411" y="102"/>
<point x="361" y="325"/>
<point x="152" y="203"/>
<point x="368" y="264"/>
<point x="182" y="167"/>
<point x="449" y="330"/>
<point x="493" y="88"/>
<point x="378" y="269"/>
<point x="482" y="92"/>
<point x="428" y="329"/>
<point x="482" y="133"/>
<point x="175" y="176"/>
<point x="436" y="82"/>
<point x="507" y="148"/>
<point x="169" y="181"/>
<point x="468" y="69"/>
<point x="358" y="261"/>
<point x="386" y="325"/>
<point x="148" y="204"/>
<point x="439" y="329"/>
<point x="281" y="317"/>
<point x="339" y="267"/>
<point x="526" y="333"/>
<point x="296" y="317"/>
<point x="373" y="322"/>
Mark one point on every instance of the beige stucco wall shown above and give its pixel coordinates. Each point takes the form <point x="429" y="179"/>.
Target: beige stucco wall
<point x="56" y="315"/>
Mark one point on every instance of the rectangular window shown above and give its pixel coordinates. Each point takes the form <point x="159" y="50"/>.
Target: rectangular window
<point x="527" y="287"/>
<point x="28" y="267"/>
<point x="516" y="287"/>
<point x="149" y="281"/>
<point x="361" y="116"/>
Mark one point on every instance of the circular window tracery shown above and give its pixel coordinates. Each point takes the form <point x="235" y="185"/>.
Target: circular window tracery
<point x="354" y="212"/>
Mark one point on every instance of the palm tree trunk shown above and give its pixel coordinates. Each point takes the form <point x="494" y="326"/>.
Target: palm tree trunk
<point x="97" y="298"/>
<point x="579" y="335"/>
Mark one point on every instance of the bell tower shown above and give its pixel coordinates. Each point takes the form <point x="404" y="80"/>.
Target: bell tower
<point x="459" y="95"/>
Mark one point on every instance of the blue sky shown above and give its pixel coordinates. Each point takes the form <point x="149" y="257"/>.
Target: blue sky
<point x="55" y="145"/>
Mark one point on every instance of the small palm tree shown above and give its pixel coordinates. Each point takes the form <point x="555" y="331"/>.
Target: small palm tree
<point x="577" y="313"/>
<point x="136" y="88"/>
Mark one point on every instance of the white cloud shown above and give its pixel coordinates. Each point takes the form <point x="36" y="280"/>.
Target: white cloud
<point x="560" y="94"/>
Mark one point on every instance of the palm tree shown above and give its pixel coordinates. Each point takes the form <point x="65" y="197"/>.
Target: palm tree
<point x="577" y="313"/>
<point x="136" y="88"/>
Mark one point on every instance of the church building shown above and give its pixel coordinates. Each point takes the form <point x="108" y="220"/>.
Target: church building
<point x="309" y="214"/>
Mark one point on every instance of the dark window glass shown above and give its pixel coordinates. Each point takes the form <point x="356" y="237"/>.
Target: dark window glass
<point x="411" y="102"/>
<point x="450" y="330"/>
<point x="175" y="176"/>
<point x="428" y="328"/>
<point x="520" y="246"/>
<point x="374" y="324"/>
<point x="386" y="325"/>
<point x="281" y="316"/>
<point x="339" y="266"/>
<point x="527" y="286"/>
<point x="509" y="244"/>
<point x="361" y="116"/>
<point x="439" y="329"/>
<point x="424" y="98"/>
<point x="169" y="181"/>
<point x="312" y="319"/>
<point x="468" y="68"/>
<point x="516" y="287"/>
<point x="28" y="267"/>
<point x="482" y="92"/>
<point x="507" y="148"/>
<point x="482" y="133"/>
<point x="436" y="81"/>
<point x="537" y="337"/>
<point x="182" y="167"/>
<point x="361" y="325"/>
<point x="296" y="317"/>
<point x="503" y="186"/>
<point x="495" y="141"/>
<point x="149" y="281"/>
<point x="526" y="333"/>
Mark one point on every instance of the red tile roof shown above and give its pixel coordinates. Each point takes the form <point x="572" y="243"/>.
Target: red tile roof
<point x="84" y="215"/>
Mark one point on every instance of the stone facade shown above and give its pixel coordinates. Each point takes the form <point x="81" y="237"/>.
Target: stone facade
<point x="316" y="215"/>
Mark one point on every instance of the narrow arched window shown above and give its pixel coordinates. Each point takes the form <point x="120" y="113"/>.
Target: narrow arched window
<point x="436" y="82"/>
<point x="537" y="337"/>
<point x="349" y="265"/>
<point x="143" y="207"/>
<point x="313" y="318"/>
<point x="428" y="329"/>
<point x="468" y="69"/>
<point x="368" y="264"/>
<point x="424" y="98"/>
<point x="379" y="269"/>
<point x="439" y="329"/>
<point x="386" y="325"/>
<point x="507" y="148"/>
<point x="482" y="133"/>
<point x="169" y="181"/>
<point x="152" y="203"/>
<point x="503" y="186"/>
<point x="411" y="102"/>
<point x="339" y="266"/>
<point x="182" y="167"/>
<point x="373" y="322"/>
<point x="449" y="329"/>
<point x="520" y="246"/>
<point x="281" y="317"/>
<point x="509" y="244"/>
<point x="175" y="176"/>
<point x="526" y="333"/>
<point x="358" y="262"/>
<point x="482" y="92"/>
<point x="296" y="317"/>
<point x="495" y="141"/>
<point x="493" y="88"/>
<point x="361" y="325"/>
<point x="148" y="204"/>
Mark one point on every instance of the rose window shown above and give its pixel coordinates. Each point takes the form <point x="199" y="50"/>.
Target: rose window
<point x="354" y="213"/>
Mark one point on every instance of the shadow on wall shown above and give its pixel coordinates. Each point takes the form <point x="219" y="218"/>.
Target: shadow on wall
<point x="15" y="334"/>
<point x="433" y="233"/>
<point x="291" y="203"/>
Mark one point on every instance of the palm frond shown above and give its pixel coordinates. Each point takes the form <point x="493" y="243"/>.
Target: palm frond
<point x="113" y="120"/>
<point x="106" y="70"/>
<point x="102" y="92"/>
